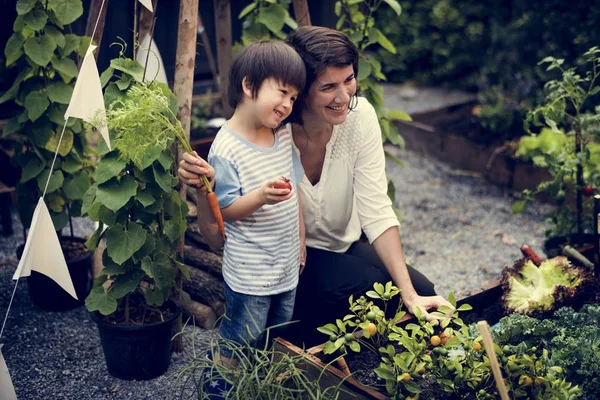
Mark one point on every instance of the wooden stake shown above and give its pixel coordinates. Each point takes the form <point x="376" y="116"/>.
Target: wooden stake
<point x="96" y="9"/>
<point x="301" y="12"/>
<point x="491" y="353"/>
<point x="183" y="88"/>
<point x="224" y="53"/>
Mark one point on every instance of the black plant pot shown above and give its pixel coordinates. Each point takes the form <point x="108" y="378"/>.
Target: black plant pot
<point x="553" y="245"/>
<point x="137" y="352"/>
<point x="49" y="296"/>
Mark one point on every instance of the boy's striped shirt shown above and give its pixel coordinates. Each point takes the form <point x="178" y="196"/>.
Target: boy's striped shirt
<point x="262" y="251"/>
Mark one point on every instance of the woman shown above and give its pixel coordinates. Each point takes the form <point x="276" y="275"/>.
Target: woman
<point x="344" y="190"/>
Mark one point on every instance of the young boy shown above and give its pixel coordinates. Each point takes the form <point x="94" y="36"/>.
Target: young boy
<point x="257" y="172"/>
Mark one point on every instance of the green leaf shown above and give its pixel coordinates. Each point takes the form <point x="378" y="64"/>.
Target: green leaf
<point x="164" y="179"/>
<point x="395" y="6"/>
<point x="32" y="169"/>
<point x="14" y="48"/>
<point x="60" y="92"/>
<point x="99" y="300"/>
<point x="398" y="115"/>
<point x="174" y="229"/>
<point x="66" y="11"/>
<point x="36" y="19"/>
<point x="40" y="131"/>
<point x="464" y="307"/>
<point x="105" y="77"/>
<point x="24" y="6"/>
<point x="364" y="69"/>
<point x="519" y="207"/>
<point x="12" y="126"/>
<point x="40" y="49"/>
<point x="75" y="187"/>
<point x="93" y="241"/>
<point x="72" y="42"/>
<point x="154" y="297"/>
<point x="145" y="198"/>
<point x="247" y="10"/>
<point x="65" y="66"/>
<point x="106" y="216"/>
<point x="88" y="199"/>
<point x="56" y="35"/>
<point x="124" y="82"/>
<point x="14" y="89"/>
<point x="122" y="243"/>
<point x="114" y="193"/>
<point x="36" y="103"/>
<point x="384" y="42"/>
<point x="129" y="67"/>
<point x="55" y="183"/>
<point x="126" y="283"/>
<point x="71" y="165"/>
<point x="166" y="159"/>
<point x="66" y="143"/>
<point x="109" y="166"/>
<point x="273" y="17"/>
<point x="451" y="299"/>
<point x="160" y="269"/>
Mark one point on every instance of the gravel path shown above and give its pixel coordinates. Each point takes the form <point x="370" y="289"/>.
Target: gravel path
<point x="457" y="229"/>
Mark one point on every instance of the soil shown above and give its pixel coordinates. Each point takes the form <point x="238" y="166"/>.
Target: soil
<point x="139" y="313"/>
<point x="73" y="249"/>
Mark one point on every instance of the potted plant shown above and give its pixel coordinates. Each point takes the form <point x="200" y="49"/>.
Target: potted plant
<point x="134" y="197"/>
<point x="45" y="58"/>
<point x="564" y="132"/>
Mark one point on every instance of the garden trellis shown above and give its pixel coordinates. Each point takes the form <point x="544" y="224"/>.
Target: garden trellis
<point x="42" y="252"/>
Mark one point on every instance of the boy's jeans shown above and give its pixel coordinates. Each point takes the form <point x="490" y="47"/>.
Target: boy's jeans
<point x="247" y="316"/>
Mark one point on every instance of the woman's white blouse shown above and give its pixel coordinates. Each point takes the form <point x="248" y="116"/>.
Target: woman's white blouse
<point x="352" y="192"/>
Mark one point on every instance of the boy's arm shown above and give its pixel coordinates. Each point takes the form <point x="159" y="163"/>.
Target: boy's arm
<point x="207" y="222"/>
<point x="247" y="204"/>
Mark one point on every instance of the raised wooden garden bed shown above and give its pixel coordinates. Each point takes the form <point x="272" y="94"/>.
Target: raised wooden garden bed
<point x="485" y="303"/>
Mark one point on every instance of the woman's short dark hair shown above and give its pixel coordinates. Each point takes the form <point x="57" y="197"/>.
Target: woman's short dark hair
<point x="320" y="48"/>
<point x="260" y="61"/>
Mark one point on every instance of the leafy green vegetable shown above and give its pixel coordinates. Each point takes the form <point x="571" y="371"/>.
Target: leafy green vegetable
<point x="533" y="290"/>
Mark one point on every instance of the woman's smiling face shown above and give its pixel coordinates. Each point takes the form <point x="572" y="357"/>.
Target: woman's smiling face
<point x="329" y="95"/>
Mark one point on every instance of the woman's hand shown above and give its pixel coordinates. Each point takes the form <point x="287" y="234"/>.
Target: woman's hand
<point x="191" y="169"/>
<point x="426" y="303"/>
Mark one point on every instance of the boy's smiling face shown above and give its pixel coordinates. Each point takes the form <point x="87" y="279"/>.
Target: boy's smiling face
<point x="274" y="102"/>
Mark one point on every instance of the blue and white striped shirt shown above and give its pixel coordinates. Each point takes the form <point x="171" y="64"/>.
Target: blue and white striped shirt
<point x="262" y="251"/>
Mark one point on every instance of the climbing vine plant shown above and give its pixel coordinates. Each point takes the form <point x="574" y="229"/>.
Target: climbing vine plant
<point x="45" y="57"/>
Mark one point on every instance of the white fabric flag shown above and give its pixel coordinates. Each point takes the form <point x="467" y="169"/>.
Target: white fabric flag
<point x="147" y="4"/>
<point x="42" y="252"/>
<point x="155" y="69"/>
<point x="7" y="390"/>
<point x="87" y="101"/>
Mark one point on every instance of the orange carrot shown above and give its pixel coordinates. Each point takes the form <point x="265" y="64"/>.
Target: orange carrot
<point x="211" y="197"/>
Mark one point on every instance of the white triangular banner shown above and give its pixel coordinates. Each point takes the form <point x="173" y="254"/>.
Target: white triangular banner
<point x="42" y="252"/>
<point x="155" y="69"/>
<point x="147" y="4"/>
<point x="7" y="390"/>
<point x="87" y="101"/>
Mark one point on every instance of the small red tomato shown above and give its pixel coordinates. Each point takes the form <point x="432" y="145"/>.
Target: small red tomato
<point x="284" y="185"/>
<point x="588" y="190"/>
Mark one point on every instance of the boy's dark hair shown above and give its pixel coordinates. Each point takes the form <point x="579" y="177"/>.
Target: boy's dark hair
<point x="263" y="60"/>
<point x="320" y="48"/>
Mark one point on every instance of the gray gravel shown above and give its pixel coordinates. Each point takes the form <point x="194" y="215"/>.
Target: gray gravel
<point x="456" y="228"/>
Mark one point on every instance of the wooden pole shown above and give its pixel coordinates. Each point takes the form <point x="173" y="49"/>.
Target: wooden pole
<point x="96" y="9"/>
<point x="182" y="88"/>
<point x="491" y="353"/>
<point x="224" y="53"/>
<point x="301" y="12"/>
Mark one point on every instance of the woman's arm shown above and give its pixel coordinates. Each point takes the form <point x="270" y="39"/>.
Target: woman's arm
<point x="191" y="168"/>
<point x="376" y="214"/>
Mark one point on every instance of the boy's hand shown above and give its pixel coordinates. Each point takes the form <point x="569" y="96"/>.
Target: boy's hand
<point x="276" y="190"/>
<point x="191" y="169"/>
